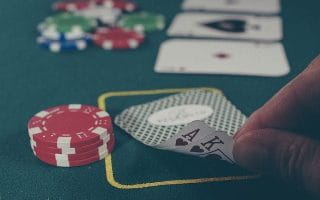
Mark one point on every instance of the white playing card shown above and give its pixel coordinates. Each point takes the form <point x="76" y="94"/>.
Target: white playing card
<point x="216" y="143"/>
<point x="160" y="123"/>
<point x="222" y="57"/>
<point x="192" y="132"/>
<point x="234" y="6"/>
<point x="198" y="139"/>
<point x="207" y="25"/>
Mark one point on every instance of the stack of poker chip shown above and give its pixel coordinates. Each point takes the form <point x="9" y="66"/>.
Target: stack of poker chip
<point x="71" y="135"/>
<point x="110" y="24"/>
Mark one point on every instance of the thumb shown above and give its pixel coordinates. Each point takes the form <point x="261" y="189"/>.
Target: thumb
<point x="294" y="158"/>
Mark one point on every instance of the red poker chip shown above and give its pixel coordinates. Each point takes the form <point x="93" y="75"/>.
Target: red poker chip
<point x="117" y="38"/>
<point x="73" y="163"/>
<point x="123" y="5"/>
<point x="106" y="147"/>
<point x="69" y="126"/>
<point x="74" y="5"/>
<point x="65" y="150"/>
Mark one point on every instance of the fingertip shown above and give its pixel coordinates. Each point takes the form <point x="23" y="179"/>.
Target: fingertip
<point x="252" y="123"/>
<point x="315" y="62"/>
<point x="249" y="153"/>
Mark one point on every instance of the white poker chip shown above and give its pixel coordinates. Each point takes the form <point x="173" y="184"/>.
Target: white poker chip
<point x="103" y="14"/>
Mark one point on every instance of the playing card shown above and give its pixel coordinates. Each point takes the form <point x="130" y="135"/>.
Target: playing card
<point x="207" y="25"/>
<point x="222" y="57"/>
<point x="234" y="6"/>
<point x="190" y="133"/>
<point x="217" y="143"/>
<point x="162" y="122"/>
<point x="198" y="139"/>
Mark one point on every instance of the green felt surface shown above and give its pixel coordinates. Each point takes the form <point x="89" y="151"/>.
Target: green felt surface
<point x="32" y="79"/>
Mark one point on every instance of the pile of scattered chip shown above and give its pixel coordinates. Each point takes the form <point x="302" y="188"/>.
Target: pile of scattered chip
<point x="71" y="135"/>
<point x="109" y="24"/>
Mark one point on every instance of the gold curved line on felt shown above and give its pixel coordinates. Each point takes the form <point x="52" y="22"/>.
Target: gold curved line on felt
<point x="103" y="97"/>
<point x="114" y="183"/>
<point x="108" y="160"/>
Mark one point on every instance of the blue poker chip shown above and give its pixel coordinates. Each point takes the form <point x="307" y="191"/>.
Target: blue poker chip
<point x="64" y="45"/>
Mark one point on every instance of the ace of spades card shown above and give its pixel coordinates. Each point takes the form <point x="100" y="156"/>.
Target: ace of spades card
<point x="197" y="122"/>
<point x="234" y="6"/>
<point x="245" y="27"/>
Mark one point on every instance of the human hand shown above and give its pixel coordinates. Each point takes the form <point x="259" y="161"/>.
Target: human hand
<point x="280" y="138"/>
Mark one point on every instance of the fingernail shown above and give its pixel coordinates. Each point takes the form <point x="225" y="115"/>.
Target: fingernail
<point x="250" y="154"/>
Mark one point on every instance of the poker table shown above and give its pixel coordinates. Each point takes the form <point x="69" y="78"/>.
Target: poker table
<point x="32" y="79"/>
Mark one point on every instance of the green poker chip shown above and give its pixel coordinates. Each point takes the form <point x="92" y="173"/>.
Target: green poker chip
<point x="68" y="22"/>
<point x="142" y="21"/>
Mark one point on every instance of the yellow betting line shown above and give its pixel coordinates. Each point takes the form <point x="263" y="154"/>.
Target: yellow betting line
<point x="108" y="160"/>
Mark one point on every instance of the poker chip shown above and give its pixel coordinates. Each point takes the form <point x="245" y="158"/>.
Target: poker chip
<point x="142" y="21"/>
<point x="99" y="151"/>
<point x="71" y="135"/>
<point x="66" y="23"/>
<point x="71" y="163"/>
<point x="72" y="125"/>
<point x="105" y="15"/>
<point x="61" y="160"/>
<point x="123" y="5"/>
<point x="76" y="5"/>
<point x="52" y="33"/>
<point x="70" y="150"/>
<point x="64" y="45"/>
<point x="73" y="5"/>
<point x="71" y="29"/>
<point x="117" y="38"/>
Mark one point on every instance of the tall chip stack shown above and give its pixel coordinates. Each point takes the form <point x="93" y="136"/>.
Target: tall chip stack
<point x="71" y="135"/>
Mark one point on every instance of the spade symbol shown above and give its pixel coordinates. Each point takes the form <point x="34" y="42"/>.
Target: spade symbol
<point x="196" y="149"/>
<point x="181" y="142"/>
<point x="228" y="25"/>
